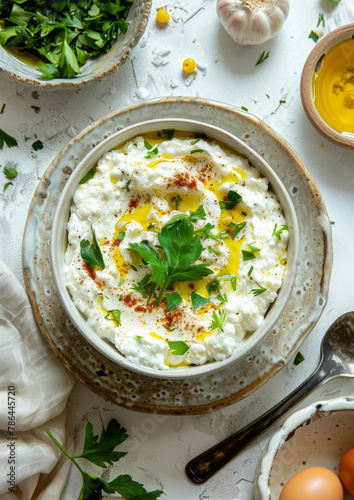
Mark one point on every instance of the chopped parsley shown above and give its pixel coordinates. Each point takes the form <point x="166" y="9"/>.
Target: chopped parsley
<point x="262" y="58"/>
<point x="244" y="108"/>
<point x="37" y="145"/>
<point x="313" y="36"/>
<point x="197" y="151"/>
<point x="7" y="139"/>
<point x="198" y="301"/>
<point x="167" y="133"/>
<point x="126" y="187"/>
<point x="218" y="320"/>
<point x="277" y="232"/>
<point x="114" y="315"/>
<point x="321" y="20"/>
<point x="178" y="347"/>
<point x="87" y="176"/>
<point x="237" y="229"/>
<point x="7" y="185"/>
<point x="299" y="358"/>
<point x="173" y="300"/>
<point x="233" y="199"/>
<point x="250" y="271"/>
<point x="259" y="290"/>
<point x="10" y="173"/>
<point x="178" y="201"/>
<point x="151" y="153"/>
<point x="120" y="236"/>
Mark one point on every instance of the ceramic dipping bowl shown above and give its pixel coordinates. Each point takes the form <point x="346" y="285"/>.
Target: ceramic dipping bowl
<point x="318" y="435"/>
<point x="58" y="241"/>
<point x="94" y="69"/>
<point x="310" y="72"/>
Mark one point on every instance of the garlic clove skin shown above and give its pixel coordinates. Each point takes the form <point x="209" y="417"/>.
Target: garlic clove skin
<point x="252" y="22"/>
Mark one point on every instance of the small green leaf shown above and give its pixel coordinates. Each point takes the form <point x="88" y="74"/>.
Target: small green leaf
<point x="138" y="336"/>
<point x="87" y="176"/>
<point x="320" y="20"/>
<point x="178" y="201"/>
<point x="92" y="254"/>
<point x="250" y="270"/>
<point x="114" y="315"/>
<point x="178" y="347"/>
<point x="147" y="144"/>
<point x="228" y="277"/>
<point x="173" y="301"/>
<point x="7" y="139"/>
<point x="247" y="255"/>
<point x="197" y="151"/>
<point x="233" y="199"/>
<point x="253" y="248"/>
<point x="7" y="185"/>
<point x="299" y="358"/>
<point x="10" y="173"/>
<point x="244" y="108"/>
<point x="277" y="232"/>
<point x="126" y="187"/>
<point x="120" y="236"/>
<point x="198" y="300"/>
<point x="37" y="145"/>
<point x="238" y="228"/>
<point x="262" y="58"/>
<point x="167" y="134"/>
<point x="151" y="153"/>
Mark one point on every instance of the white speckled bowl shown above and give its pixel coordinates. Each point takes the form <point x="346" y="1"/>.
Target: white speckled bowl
<point x="94" y="69"/>
<point x="58" y="234"/>
<point x="317" y="435"/>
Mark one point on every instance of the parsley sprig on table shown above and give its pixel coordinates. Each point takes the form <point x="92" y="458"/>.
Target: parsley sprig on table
<point x="64" y="34"/>
<point x="100" y="452"/>
<point x="181" y="248"/>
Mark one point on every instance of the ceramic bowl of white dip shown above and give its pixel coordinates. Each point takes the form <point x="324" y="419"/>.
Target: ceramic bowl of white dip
<point x="316" y="436"/>
<point x="146" y="189"/>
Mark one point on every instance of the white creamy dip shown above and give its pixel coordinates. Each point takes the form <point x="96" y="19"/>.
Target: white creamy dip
<point x="134" y="193"/>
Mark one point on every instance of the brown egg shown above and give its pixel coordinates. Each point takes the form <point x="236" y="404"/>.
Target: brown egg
<point x="314" y="483"/>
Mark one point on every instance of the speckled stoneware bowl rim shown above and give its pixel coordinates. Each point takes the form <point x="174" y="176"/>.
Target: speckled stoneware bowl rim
<point x="313" y="115"/>
<point x="58" y="238"/>
<point x="293" y="422"/>
<point x="78" y="83"/>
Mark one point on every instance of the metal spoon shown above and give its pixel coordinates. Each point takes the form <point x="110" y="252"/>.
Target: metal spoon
<point x="337" y="359"/>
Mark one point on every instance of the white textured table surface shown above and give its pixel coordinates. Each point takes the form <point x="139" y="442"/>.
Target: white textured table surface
<point x="161" y="446"/>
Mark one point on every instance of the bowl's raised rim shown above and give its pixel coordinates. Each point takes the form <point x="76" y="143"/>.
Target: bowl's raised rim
<point x="78" y="83"/>
<point x="294" y="421"/>
<point x="58" y="231"/>
<point x="314" y="117"/>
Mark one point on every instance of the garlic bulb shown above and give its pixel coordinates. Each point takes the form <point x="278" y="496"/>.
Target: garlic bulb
<point x="251" y="22"/>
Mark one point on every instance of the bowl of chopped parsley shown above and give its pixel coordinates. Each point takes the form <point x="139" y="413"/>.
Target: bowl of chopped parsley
<point x="60" y="44"/>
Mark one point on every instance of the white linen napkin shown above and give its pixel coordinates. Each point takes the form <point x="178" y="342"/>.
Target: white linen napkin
<point x="34" y="390"/>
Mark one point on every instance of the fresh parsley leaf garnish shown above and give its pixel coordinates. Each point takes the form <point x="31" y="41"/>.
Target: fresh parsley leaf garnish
<point x="218" y="320"/>
<point x="138" y="336"/>
<point x="147" y="144"/>
<point x="114" y="315"/>
<point x="195" y="141"/>
<point x="167" y="133"/>
<point x="7" y="139"/>
<point x="277" y="232"/>
<point x="299" y="358"/>
<point x="197" y="151"/>
<point x="7" y="185"/>
<point x="182" y="248"/>
<point x="238" y="228"/>
<point x="206" y="232"/>
<point x="87" y="176"/>
<point x="250" y="271"/>
<point x="37" y="145"/>
<point x="91" y="253"/>
<point x="10" y="173"/>
<point x="212" y="250"/>
<point x="213" y="286"/>
<point x="121" y="282"/>
<point x="258" y="291"/>
<point x="313" y="36"/>
<point x="173" y="300"/>
<point x="178" y="347"/>
<point x="233" y="198"/>
<point x="262" y="58"/>
<point x="244" y="108"/>
<point x="99" y="451"/>
<point x="198" y="300"/>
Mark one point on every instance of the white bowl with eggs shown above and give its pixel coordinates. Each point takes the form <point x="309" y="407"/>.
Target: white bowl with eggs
<point x="132" y="347"/>
<point x="317" y="436"/>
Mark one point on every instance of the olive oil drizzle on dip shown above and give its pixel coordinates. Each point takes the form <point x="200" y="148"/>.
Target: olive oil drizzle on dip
<point x="138" y="191"/>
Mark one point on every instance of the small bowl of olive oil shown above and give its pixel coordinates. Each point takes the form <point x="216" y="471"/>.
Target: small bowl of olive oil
<point x="327" y="86"/>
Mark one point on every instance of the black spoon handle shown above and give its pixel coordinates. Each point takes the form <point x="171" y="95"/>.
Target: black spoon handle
<point x="205" y="465"/>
